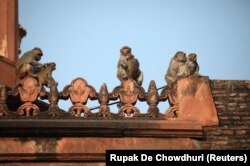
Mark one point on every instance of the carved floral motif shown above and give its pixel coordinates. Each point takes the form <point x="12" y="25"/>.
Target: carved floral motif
<point x="28" y="91"/>
<point x="128" y="93"/>
<point x="79" y="91"/>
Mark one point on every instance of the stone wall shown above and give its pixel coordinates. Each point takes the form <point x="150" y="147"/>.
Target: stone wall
<point x="8" y="72"/>
<point x="9" y="41"/>
<point x="232" y="101"/>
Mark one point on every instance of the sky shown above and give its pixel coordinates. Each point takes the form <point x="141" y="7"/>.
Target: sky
<point x="84" y="38"/>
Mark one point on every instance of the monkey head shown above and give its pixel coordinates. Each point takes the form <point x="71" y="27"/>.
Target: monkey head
<point x="38" y="53"/>
<point x="192" y="57"/>
<point x="180" y="56"/>
<point x="125" y="51"/>
<point x="45" y="74"/>
<point x="51" y="66"/>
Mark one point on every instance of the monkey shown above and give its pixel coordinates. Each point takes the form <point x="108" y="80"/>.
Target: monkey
<point x="28" y="64"/>
<point x="128" y="66"/>
<point x="192" y="65"/>
<point x="176" y="67"/>
<point x="45" y="74"/>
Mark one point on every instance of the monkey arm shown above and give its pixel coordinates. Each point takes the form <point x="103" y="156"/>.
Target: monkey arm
<point x="133" y="68"/>
<point x="197" y="70"/>
<point x="121" y="74"/>
<point x="35" y="63"/>
<point x="123" y="64"/>
<point x="173" y="71"/>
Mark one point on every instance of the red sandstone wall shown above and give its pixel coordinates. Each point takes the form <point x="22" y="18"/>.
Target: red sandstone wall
<point x="232" y="101"/>
<point x="9" y="34"/>
<point x="9" y="41"/>
<point x="7" y="72"/>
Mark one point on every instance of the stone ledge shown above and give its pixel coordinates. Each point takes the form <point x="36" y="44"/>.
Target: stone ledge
<point x="48" y="157"/>
<point x="81" y="149"/>
<point x="99" y="128"/>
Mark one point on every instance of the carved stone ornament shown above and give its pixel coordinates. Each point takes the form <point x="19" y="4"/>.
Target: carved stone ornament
<point x="103" y="99"/>
<point x="3" y="98"/>
<point x="53" y="99"/>
<point x="28" y="90"/>
<point x="79" y="92"/>
<point x="128" y="93"/>
<point x="153" y="100"/>
<point x="170" y="93"/>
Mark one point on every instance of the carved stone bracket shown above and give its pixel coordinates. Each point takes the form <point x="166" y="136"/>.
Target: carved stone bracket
<point x="79" y="92"/>
<point x="129" y="110"/>
<point x="170" y="93"/>
<point x="28" y="109"/>
<point x="128" y="93"/>
<point x="28" y="90"/>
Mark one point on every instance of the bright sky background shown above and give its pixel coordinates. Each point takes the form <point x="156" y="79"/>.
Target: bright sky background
<point x="84" y="37"/>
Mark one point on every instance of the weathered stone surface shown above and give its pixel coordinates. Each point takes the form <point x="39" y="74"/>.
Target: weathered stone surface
<point x="81" y="149"/>
<point x="100" y="145"/>
<point x="9" y="41"/>
<point x="17" y="145"/>
<point x="99" y="128"/>
<point x="196" y="101"/>
<point x="8" y="72"/>
<point x="9" y="37"/>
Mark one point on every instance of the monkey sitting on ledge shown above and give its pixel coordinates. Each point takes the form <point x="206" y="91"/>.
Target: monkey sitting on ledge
<point x="192" y="65"/>
<point x="176" y="67"/>
<point x="28" y="65"/>
<point x="180" y="65"/>
<point x="45" y="74"/>
<point x="128" y="66"/>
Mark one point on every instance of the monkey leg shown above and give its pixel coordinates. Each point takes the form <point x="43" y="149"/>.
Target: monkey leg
<point x="139" y="78"/>
<point x="31" y="70"/>
<point x="25" y="70"/>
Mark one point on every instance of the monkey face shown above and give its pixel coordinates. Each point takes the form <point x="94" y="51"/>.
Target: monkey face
<point x="181" y="56"/>
<point x="51" y="65"/>
<point x="38" y="57"/>
<point x="192" y="57"/>
<point x="38" y="53"/>
<point x="125" y="50"/>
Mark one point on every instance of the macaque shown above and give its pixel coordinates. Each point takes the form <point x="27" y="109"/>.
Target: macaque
<point x="128" y="66"/>
<point x="45" y="74"/>
<point x="192" y="65"/>
<point x="176" y="67"/>
<point x="28" y="64"/>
